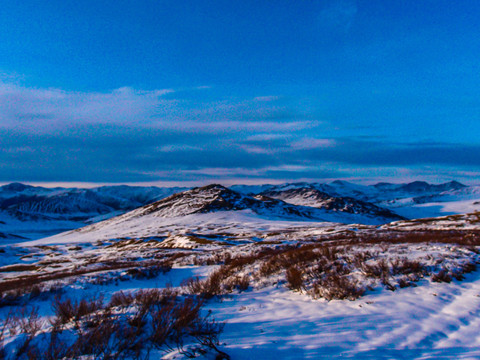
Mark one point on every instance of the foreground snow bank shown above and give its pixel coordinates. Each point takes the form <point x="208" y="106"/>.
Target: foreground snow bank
<point x="431" y="321"/>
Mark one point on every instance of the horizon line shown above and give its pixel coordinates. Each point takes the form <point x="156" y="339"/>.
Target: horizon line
<point x="225" y="182"/>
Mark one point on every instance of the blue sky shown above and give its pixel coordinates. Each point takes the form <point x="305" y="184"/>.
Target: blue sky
<point x="239" y="91"/>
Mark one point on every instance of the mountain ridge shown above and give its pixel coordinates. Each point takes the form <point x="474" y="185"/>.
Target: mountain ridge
<point x="34" y="212"/>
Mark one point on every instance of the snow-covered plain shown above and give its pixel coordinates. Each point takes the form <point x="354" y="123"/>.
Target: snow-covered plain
<point x="431" y="321"/>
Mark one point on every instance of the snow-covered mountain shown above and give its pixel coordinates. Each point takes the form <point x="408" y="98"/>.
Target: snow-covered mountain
<point x="25" y="200"/>
<point x="417" y="199"/>
<point x="310" y="196"/>
<point x="216" y="197"/>
<point x="372" y="193"/>
<point x="34" y="212"/>
<point x="214" y="209"/>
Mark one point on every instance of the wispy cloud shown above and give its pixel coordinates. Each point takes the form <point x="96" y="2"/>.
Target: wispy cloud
<point x="178" y="147"/>
<point x="130" y="135"/>
<point x="42" y="109"/>
<point x="266" y="98"/>
<point x="311" y="143"/>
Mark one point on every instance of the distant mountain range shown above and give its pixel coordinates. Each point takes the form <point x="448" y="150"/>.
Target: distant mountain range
<point x="35" y="212"/>
<point x="25" y="200"/>
<point x="412" y="200"/>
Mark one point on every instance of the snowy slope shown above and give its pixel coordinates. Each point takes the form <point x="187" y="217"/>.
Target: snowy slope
<point x="211" y="209"/>
<point x="469" y="221"/>
<point x="308" y="196"/>
<point x="431" y="321"/>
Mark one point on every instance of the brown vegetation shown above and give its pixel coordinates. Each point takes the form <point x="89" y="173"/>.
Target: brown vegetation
<point x="130" y="325"/>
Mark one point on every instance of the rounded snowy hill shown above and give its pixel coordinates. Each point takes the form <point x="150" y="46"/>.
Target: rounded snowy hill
<point x="210" y="210"/>
<point x="213" y="198"/>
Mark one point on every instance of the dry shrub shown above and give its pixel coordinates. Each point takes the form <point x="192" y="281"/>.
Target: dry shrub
<point x="269" y="267"/>
<point x="4" y="325"/>
<point x="457" y="274"/>
<point x="208" y="288"/>
<point x="56" y="348"/>
<point x="193" y="285"/>
<point x="302" y="255"/>
<point x="149" y="297"/>
<point x="468" y="267"/>
<point x="149" y="272"/>
<point x="333" y="286"/>
<point x="174" y="323"/>
<point x="405" y="266"/>
<point x="121" y="299"/>
<point x="378" y="270"/>
<point x="314" y="257"/>
<point x="462" y="269"/>
<point x="239" y="262"/>
<point x="156" y="318"/>
<point x="240" y="283"/>
<point x="68" y="310"/>
<point x="146" y="300"/>
<point x="359" y="258"/>
<point x="329" y="252"/>
<point x="403" y="282"/>
<point x="27" y="281"/>
<point x="29" y="323"/>
<point x="442" y="276"/>
<point x="294" y="278"/>
<point x="110" y="336"/>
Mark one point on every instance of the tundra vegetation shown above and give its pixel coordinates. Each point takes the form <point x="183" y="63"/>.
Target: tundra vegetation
<point x="134" y="324"/>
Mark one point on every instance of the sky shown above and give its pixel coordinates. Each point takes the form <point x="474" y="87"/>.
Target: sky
<point x="186" y="92"/>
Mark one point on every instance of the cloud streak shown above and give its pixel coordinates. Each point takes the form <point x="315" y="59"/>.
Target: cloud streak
<point x="129" y="135"/>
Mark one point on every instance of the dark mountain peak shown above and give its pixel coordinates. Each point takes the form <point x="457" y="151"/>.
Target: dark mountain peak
<point x="215" y="187"/>
<point x="16" y="187"/>
<point x="455" y="185"/>
<point x="416" y="186"/>
<point x="422" y="186"/>
<point x="213" y="197"/>
<point x="305" y="192"/>
<point x="384" y="185"/>
<point x="418" y="183"/>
